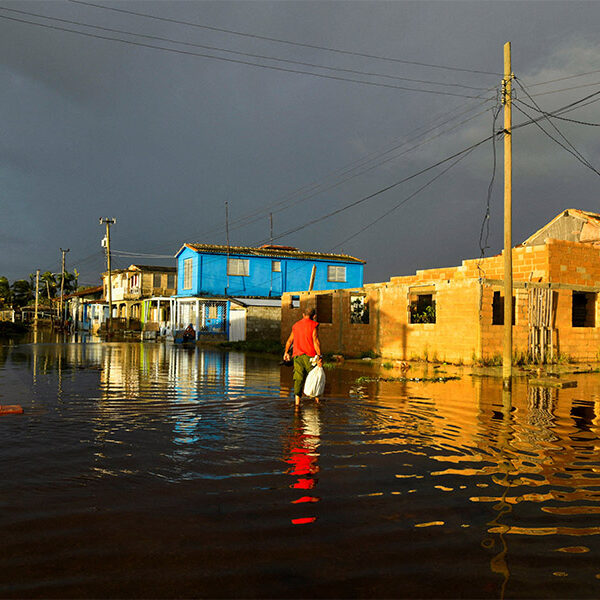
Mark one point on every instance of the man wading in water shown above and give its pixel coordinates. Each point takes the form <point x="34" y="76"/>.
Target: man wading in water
<point x="306" y="342"/>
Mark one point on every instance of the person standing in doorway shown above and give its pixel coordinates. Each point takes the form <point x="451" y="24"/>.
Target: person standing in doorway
<point x="305" y="340"/>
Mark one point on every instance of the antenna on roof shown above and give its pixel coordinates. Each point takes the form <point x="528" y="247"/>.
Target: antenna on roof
<point x="227" y="233"/>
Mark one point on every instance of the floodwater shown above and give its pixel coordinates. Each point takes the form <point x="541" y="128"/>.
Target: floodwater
<point x="148" y="470"/>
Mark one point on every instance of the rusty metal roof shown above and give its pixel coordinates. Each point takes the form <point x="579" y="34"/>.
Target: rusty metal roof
<point x="268" y="251"/>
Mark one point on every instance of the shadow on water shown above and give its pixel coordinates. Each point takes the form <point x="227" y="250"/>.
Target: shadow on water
<point x="159" y="471"/>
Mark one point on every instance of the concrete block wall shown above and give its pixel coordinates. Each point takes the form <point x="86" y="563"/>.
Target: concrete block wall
<point x="463" y="328"/>
<point x="263" y="322"/>
<point x="574" y="263"/>
<point x="340" y="336"/>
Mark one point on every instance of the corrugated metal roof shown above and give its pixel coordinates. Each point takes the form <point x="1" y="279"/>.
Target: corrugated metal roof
<point x="272" y="252"/>
<point x="275" y="302"/>
<point x="589" y="217"/>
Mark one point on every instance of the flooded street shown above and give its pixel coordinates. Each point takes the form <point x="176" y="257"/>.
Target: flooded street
<point x="150" y="470"/>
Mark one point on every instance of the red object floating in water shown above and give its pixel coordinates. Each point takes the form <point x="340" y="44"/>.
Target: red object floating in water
<point x="11" y="409"/>
<point x="304" y="520"/>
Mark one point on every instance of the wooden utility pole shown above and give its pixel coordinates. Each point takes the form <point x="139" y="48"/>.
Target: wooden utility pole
<point x="108" y="222"/>
<point x="62" y="283"/>
<point x="508" y="274"/>
<point x="37" y="295"/>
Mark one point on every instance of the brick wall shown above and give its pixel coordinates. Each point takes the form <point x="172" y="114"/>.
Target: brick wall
<point x="463" y="328"/>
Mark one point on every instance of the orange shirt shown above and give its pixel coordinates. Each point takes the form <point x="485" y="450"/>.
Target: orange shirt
<point x="303" y="337"/>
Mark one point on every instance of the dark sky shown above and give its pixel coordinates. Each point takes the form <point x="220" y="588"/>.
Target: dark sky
<point x="162" y="140"/>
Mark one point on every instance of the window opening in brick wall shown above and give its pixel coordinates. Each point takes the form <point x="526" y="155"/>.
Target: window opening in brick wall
<point x="498" y="309"/>
<point x="238" y="266"/>
<point x="325" y="308"/>
<point x="156" y="280"/>
<point x="584" y="309"/>
<point x="359" y="310"/>
<point x="171" y="281"/>
<point x="422" y="308"/>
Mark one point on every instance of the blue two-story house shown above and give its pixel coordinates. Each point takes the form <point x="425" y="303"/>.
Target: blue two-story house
<point x="215" y="281"/>
<point x="268" y="271"/>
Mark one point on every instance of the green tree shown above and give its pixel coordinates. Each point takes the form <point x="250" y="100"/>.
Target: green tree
<point x="5" y="292"/>
<point x="21" y="293"/>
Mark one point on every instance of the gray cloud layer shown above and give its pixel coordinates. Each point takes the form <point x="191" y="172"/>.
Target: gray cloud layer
<point x="161" y="141"/>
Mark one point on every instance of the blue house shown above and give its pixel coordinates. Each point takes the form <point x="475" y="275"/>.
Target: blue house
<point x="235" y="292"/>
<point x="267" y="271"/>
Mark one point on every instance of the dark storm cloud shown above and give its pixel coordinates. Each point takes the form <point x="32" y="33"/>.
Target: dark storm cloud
<point x="161" y="141"/>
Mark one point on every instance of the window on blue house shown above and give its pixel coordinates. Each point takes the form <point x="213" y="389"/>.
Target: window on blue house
<point x="336" y="273"/>
<point x="238" y="266"/>
<point x="276" y="266"/>
<point x="187" y="274"/>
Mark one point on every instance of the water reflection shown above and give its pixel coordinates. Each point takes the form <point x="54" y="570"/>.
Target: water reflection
<point x="303" y="456"/>
<point x="205" y="448"/>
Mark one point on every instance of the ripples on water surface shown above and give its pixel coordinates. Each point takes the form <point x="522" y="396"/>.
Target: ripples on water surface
<point x="155" y="471"/>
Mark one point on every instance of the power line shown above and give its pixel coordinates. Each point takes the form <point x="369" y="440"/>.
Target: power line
<point x="404" y="201"/>
<point x="569" y="89"/>
<point x="236" y="61"/>
<point x="346" y="173"/>
<point x="281" y="41"/>
<point x="583" y="159"/>
<point x="247" y="54"/>
<point x="554" y="116"/>
<point x="381" y="191"/>
<point x="564" y="78"/>
<point x="484" y="233"/>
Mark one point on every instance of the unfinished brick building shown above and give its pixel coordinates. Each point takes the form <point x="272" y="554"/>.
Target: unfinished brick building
<point x="456" y="314"/>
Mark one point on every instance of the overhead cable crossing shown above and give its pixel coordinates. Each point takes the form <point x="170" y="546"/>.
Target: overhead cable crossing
<point x="235" y="61"/>
<point x="282" y="41"/>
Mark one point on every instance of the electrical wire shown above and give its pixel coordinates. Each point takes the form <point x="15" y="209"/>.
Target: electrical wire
<point x="237" y="61"/>
<point x="554" y="116"/>
<point x="484" y="233"/>
<point x="575" y="152"/>
<point x="246" y="54"/>
<point x="380" y="191"/>
<point x="569" y="89"/>
<point x="346" y="174"/>
<point x="583" y="161"/>
<point x="282" y="41"/>
<point x="563" y="78"/>
<point x="404" y="201"/>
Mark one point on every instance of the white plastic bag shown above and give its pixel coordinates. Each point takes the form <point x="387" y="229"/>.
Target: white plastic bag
<point x="315" y="382"/>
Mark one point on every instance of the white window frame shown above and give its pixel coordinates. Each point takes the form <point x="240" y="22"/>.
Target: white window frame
<point x="336" y="273"/>
<point x="276" y="266"/>
<point x="238" y="267"/>
<point x="188" y="270"/>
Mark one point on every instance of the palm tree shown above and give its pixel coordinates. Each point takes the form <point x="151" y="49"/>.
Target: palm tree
<point x="48" y="278"/>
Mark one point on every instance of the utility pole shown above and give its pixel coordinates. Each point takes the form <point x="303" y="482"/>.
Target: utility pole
<point x="62" y="282"/>
<point x="108" y="222"/>
<point x="37" y="295"/>
<point x="508" y="274"/>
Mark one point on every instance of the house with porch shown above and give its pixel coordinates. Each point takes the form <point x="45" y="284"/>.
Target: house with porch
<point x="235" y="291"/>
<point x="456" y="314"/>
<point x="140" y="296"/>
